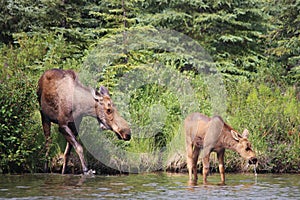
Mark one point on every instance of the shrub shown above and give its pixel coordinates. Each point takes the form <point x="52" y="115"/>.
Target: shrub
<point x="272" y="116"/>
<point x="19" y="139"/>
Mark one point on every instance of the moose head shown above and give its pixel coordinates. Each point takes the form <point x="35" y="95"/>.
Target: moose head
<point x="108" y="116"/>
<point x="244" y="146"/>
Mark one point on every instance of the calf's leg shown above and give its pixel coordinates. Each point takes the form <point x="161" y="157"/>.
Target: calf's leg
<point x="189" y="150"/>
<point x="192" y="159"/>
<point x="205" y="162"/>
<point x="195" y="160"/>
<point x="221" y="165"/>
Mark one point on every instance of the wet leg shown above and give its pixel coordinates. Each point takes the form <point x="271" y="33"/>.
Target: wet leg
<point x="70" y="137"/>
<point x="189" y="150"/>
<point x="195" y="161"/>
<point x="68" y="149"/>
<point x="47" y="130"/>
<point x="221" y="165"/>
<point x="205" y="162"/>
<point x="66" y="157"/>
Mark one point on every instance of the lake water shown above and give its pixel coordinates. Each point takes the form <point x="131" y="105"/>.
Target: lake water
<point x="149" y="186"/>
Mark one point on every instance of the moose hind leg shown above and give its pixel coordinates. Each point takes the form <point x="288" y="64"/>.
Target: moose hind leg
<point x="221" y="165"/>
<point x="189" y="157"/>
<point x="192" y="158"/>
<point x="47" y="130"/>
<point x="70" y="137"/>
<point x="66" y="157"/>
<point x="195" y="161"/>
<point x="205" y="162"/>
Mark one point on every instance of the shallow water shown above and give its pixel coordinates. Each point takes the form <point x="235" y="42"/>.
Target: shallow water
<point x="149" y="186"/>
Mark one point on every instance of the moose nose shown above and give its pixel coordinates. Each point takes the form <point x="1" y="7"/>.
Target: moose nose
<point x="127" y="137"/>
<point x="252" y="161"/>
<point x="125" y="134"/>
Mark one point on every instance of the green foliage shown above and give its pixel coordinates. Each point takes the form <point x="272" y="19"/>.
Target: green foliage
<point x="17" y="16"/>
<point x="232" y="32"/>
<point x="272" y="117"/>
<point x="255" y="45"/>
<point x="284" y="38"/>
<point x="19" y="138"/>
<point x="157" y="109"/>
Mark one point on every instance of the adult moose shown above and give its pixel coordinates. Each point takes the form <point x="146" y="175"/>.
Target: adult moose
<point x="65" y="101"/>
<point x="213" y="134"/>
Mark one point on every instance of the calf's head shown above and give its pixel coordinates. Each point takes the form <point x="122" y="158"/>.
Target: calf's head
<point x="108" y="115"/>
<point x="244" y="146"/>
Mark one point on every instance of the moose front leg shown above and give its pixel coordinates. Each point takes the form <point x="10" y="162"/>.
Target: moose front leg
<point x="205" y="162"/>
<point x="69" y="136"/>
<point x="220" y="155"/>
<point x="67" y="152"/>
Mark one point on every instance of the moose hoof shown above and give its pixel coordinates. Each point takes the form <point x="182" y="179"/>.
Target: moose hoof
<point x="192" y="182"/>
<point x="221" y="183"/>
<point x="89" y="172"/>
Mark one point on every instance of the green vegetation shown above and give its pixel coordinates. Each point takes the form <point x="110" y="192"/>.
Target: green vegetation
<point x="254" y="46"/>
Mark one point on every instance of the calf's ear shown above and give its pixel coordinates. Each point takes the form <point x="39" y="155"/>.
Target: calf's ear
<point x="103" y="91"/>
<point x="235" y="135"/>
<point x="245" y="133"/>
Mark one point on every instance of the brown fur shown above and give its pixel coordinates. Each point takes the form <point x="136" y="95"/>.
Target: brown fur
<point x="212" y="134"/>
<point x="64" y="101"/>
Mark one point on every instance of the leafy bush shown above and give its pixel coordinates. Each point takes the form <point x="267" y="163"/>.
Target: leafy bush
<point x="19" y="139"/>
<point x="272" y="116"/>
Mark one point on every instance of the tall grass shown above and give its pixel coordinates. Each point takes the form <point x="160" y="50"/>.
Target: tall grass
<point x="272" y="116"/>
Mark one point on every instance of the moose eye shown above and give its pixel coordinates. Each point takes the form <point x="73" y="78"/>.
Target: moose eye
<point x="108" y="111"/>
<point x="248" y="149"/>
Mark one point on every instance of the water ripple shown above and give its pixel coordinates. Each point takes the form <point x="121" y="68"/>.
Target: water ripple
<point x="149" y="186"/>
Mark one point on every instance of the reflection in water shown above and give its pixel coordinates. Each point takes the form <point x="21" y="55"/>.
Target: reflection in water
<point x="150" y="186"/>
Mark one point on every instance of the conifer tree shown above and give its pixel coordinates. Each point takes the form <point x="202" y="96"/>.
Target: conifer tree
<point x="231" y="31"/>
<point x="285" y="37"/>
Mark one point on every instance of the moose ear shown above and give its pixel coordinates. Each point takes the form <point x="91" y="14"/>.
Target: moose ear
<point x="245" y="133"/>
<point x="235" y="135"/>
<point x="103" y="91"/>
<point x="95" y="94"/>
